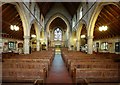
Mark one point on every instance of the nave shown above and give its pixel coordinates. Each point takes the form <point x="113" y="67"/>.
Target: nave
<point x="87" y="33"/>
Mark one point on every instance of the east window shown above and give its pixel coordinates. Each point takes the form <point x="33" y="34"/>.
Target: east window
<point x="58" y="34"/>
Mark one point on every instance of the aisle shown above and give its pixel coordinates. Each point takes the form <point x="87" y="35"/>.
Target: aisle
<point x="58" y="72"/>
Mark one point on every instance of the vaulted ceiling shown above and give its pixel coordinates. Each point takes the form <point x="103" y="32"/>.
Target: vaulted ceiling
<point x="70" y="6"/>
<point x="58" y="22"/>
<point x="10" y="16"/>
<point x="109" y="15"/>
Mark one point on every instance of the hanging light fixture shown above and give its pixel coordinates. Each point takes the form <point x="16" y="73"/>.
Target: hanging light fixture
<point x="83" y="36"/>
<point x="11" y="27"/>
<point x="103" y="28"/>
<point x="14" y="27"/>
<point x="41" y="39"/>
<point x="33" y="36"/>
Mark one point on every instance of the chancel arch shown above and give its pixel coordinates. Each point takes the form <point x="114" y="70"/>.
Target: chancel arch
<point x="64" y="20"/>
<point x="60" y="21"/>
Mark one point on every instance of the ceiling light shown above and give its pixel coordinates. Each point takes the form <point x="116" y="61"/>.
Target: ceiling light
<point x="83" y="36"/>
<point x="75" y="39"/>
<point x="103" y="28"/>
<point x="41" y="39"/>
<point x="14" y="27"/>
<point x="33" y="35"/>
<point x="11" y="27"/>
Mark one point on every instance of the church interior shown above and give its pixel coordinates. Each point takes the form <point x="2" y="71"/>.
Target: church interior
<point x="76" y="43"/>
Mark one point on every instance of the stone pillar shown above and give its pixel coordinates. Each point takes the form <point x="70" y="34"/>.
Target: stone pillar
<point x="78" y="45"/>
<point x="46" y="43"/>
<point x="62" y="42"/>
<point x="65" y="39"/>
<point x="69" y="45"/>
<point x="26" y="44"/>
<point x="51" y="38"/>
<point x="38" y="45"/>
<point x="75" y="45"/>
<point x="66" y="43"/>
<point x="90" y="44"/>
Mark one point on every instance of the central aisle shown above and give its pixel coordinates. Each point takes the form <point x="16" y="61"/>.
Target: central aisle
<point x="58" y="72"/>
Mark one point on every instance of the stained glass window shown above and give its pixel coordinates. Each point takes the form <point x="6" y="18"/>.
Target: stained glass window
<point x="57" y="34"/>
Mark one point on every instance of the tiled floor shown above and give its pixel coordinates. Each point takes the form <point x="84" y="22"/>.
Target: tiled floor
<point x="58" y="72"/>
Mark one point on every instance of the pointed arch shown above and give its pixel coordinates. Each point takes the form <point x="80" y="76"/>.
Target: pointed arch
<point x="94" y="16"/>
<point x="56" y="16"/>
<point x="59" y="15"/>
<point x="23" y="15"/>
<point x="37" y="28"/>
<point x="97" y="9"/>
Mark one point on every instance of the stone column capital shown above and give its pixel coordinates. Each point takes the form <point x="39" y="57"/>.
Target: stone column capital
<point x="26" y="37"/>
<point x="90" y="37"/>
<point x="77" y="40"/>
<point x="38" y="40"/>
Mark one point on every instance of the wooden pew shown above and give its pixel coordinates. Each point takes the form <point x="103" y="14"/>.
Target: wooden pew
<point x="90" y="63"/>
<point x="92" y="68"/>
<point x="96" y="75"/>
<point x="29" y="71"/>
<point x="27" y="68"/>
<point x="23" y="75"/>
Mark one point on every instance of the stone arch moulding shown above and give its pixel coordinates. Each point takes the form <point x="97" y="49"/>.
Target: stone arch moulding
<point x="94" y="16"/>
<point x="80" y="25"/>
<point x="58" y="27"/>
<point x="25" y="22"/>
<point x="56" y="16"/>
<point x="37" y="28"/>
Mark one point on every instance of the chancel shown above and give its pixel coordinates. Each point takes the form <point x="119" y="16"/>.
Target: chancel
<point x="76" y="43"/>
